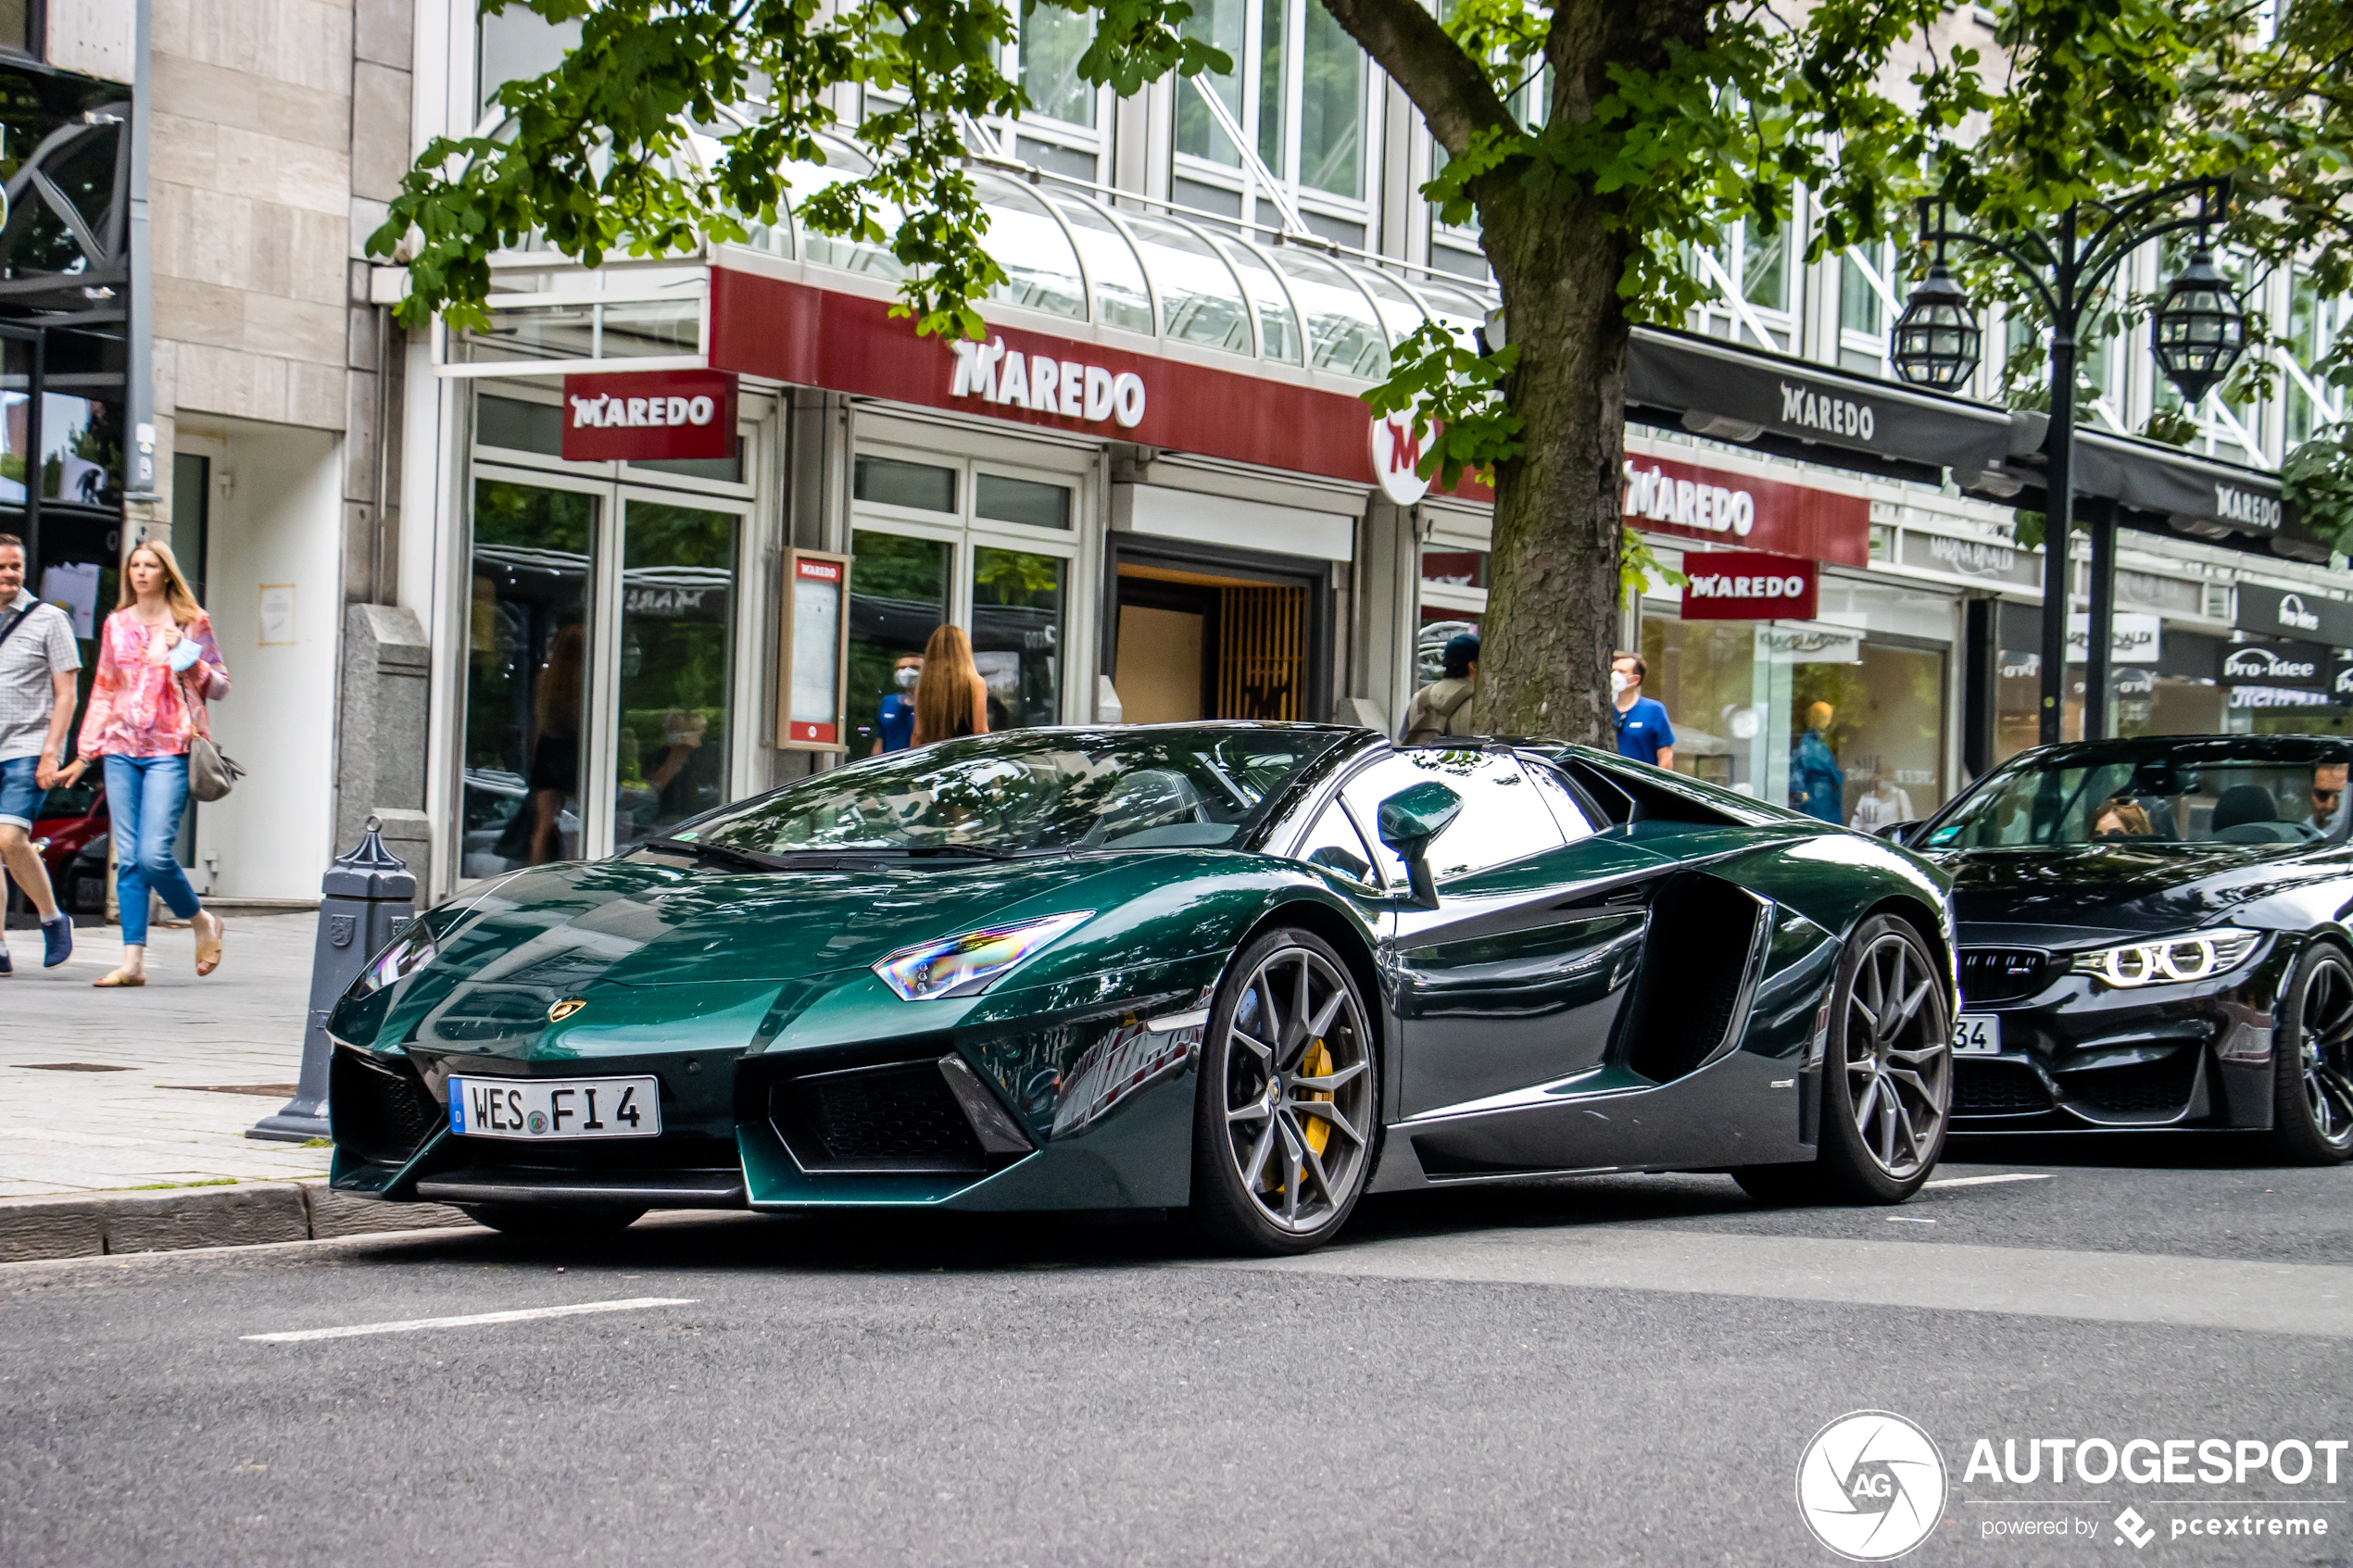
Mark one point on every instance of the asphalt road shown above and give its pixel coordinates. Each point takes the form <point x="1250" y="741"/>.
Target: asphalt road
<point x="1608" y="1371"/>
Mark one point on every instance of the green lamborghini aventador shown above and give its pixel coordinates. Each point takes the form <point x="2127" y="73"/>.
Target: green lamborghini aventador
<point x="1253" y="970"/>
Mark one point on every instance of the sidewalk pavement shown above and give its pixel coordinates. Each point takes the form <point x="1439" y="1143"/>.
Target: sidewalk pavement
<point x="133" y="1104"/>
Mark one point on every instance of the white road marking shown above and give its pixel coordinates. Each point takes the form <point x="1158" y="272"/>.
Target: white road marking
<point x="2239" y="1295"/>
<point x="1988" y="1181"/>
<point x="524" y="1314"/>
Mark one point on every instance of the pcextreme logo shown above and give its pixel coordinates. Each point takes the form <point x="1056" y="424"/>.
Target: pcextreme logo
<point x="1870" y="1486"/>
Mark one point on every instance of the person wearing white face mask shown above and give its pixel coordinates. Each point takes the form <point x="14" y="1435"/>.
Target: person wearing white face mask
<point x="894" y="722"/>
<point x="1644" y="733"/>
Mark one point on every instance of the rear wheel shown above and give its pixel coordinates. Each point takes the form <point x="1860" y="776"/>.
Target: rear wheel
<point x="1887" y="1078"/>
<point x="552" y="1224"/>
<point x="2312" y="1059"/>
<point x="1283" y="1128"/>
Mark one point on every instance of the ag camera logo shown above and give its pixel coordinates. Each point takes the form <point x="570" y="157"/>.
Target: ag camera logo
<point x="1871" y="1486"/>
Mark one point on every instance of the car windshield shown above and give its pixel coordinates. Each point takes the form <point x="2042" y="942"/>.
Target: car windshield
<point x="1032" y="791"/>
<point x="2195" y="795"/>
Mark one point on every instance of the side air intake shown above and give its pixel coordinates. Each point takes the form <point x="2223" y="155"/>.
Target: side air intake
<point x="1688" y="994"/>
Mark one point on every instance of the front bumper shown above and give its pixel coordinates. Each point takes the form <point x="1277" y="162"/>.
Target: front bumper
<point x="2079" y="1055"/>
<point x="1088" y="1112"/>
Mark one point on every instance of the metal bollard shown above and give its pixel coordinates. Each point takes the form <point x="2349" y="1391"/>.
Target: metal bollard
<point x="367" y="899"/>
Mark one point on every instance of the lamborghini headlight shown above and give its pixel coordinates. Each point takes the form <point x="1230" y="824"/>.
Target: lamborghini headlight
<point x="2201" y="955"/>
<point x="964" y="966"/>
<point x="410" y="952"/>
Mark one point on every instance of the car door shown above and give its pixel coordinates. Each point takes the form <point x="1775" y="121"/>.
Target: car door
<point x="1516" y="977"/>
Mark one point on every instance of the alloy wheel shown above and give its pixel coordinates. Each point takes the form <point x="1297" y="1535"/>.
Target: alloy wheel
<point x="1299" y="1081"/>
<point x="2326" y="1050"/>
<point x="1899" y="1057"/>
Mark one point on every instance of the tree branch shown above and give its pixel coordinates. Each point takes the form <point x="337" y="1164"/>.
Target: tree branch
<point x="1451" y="90"/>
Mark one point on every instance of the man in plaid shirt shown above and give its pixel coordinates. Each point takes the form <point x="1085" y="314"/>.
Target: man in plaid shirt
<point x="37" y="665"/>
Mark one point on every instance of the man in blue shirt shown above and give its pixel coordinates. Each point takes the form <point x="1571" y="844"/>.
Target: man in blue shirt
<point x="1644" y="733"/>
<point x="895" y="721"/>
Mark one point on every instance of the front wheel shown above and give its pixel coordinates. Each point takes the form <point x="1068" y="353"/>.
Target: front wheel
<point x="1887" y="1078"/>
<point x="1284" y="1125"/>
<point x="2312" y="1057"/>
<point x="552" y="1224"/>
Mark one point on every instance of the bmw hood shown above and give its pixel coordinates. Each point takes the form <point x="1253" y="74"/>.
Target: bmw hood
<point x="2048" y="896"/>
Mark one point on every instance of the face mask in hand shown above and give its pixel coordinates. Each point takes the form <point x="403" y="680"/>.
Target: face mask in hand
<point x="907" y="679"/>
<point x="1618" y="683"/>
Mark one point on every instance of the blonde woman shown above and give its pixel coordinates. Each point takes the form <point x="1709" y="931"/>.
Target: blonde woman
<point x="157" y="667"/>
<point x="951" y="697"/>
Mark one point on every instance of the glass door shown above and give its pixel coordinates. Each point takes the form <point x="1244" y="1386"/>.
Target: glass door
<point x="675" y="652"/>
<point x="527" y="661"/>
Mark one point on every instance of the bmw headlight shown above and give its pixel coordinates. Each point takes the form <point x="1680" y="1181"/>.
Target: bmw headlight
<point x="964" y="966"/>
<point x="2201" y="955"/>
<point x="410" y="952"/>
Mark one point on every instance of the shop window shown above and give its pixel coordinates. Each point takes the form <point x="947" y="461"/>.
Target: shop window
<point x="897" y="598"/>
<point x="526" y="675"/>
<point x="1002" y="498"/>
<point x="1018" y="598"/>
<point x="1454" y="599"/>
<point x="677" y="614"/>
<point x="1502" y="818"/>
<point x="890" y="482"/>
<point x="16" y="27"/>
<point x="518" y="426"/>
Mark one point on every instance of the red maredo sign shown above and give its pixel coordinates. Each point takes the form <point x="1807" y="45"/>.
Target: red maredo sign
<point x="793" y="332"/>
<point x="1749" y="586"/>
<point x="643" y="414"/>
<point x="1738" y="509"/>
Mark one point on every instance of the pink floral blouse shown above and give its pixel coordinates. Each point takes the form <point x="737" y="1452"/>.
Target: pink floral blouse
<point x="138" y="708"/>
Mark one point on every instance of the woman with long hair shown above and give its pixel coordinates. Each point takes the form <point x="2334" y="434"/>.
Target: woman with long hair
<point x="157" y="667"/>
<point x="951" y="698"/>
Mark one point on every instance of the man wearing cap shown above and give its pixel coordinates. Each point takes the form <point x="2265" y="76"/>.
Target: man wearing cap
<point x="1443" y="707"/>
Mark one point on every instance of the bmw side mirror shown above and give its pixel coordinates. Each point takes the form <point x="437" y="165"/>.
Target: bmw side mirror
<point x="1408" y="820"/>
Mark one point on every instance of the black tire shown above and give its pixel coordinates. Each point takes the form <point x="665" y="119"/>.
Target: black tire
<point x="1880" y="1081"/>
<point x="552" y="1224"/>
<point x="2312" y="1059"/>
<point x="1263" y="1183"/>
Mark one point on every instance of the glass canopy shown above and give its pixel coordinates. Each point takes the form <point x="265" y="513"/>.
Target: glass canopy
<point x="1068" y="253"/>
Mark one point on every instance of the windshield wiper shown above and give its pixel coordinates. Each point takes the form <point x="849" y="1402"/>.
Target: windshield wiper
<point x="979" y="852"/>
<point x="747" y="859"/>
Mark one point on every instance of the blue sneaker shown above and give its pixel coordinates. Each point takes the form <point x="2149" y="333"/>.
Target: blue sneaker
<point x="57" y="940"/>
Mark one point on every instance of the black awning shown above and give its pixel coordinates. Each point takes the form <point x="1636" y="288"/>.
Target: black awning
<point x="1865" y="424"/>
<point x="1795" y="408"/>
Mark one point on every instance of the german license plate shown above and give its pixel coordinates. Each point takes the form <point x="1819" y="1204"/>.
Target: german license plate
<point x="1977" y="1033"/>
<point x="555" y="1108"/>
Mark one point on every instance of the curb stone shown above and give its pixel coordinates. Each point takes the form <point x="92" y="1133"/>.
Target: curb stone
<point x="245" y="1214"/>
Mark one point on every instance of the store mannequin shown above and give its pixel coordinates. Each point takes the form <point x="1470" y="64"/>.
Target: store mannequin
<point x="1817" y="787"/>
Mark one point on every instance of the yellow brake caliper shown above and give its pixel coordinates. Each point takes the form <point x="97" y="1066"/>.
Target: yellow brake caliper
<point x="1316" y="1063"/>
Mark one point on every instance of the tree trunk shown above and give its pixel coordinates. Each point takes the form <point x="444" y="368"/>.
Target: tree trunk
<point x="1551" y="618"/>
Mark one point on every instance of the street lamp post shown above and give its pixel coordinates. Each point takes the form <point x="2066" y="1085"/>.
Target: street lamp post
<point x="2196" y="335"/>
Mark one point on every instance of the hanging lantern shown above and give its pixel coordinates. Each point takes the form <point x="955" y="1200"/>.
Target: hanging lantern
<point x="1936" y="342"/>
<point x="2199" y="329"/>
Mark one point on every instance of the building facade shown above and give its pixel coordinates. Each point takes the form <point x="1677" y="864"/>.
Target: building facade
<point x="453" y="595"/>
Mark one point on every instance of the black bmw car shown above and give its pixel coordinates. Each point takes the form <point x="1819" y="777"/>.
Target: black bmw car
<point x="2156" y="934"/>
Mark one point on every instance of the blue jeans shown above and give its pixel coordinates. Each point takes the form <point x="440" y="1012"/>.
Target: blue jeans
<point x="145" y="798"/>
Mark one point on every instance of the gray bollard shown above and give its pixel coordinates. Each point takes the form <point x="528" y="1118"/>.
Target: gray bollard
<point x="367" y="899"/>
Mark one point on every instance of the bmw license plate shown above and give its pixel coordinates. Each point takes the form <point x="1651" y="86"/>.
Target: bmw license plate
<point x="1977" y="1033"/>
<point x="555" y="1108"/>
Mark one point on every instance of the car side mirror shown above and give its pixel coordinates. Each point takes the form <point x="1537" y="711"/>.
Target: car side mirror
<point x="1901" y="832"/>
<point x="1408" y="820"/>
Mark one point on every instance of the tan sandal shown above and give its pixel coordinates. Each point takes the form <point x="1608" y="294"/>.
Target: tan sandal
<point x="115" y="977"/>
<point x="208" y="953"/>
